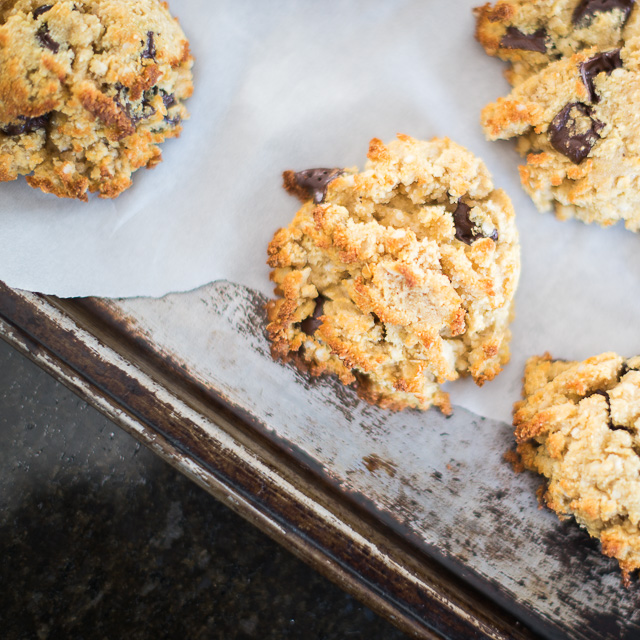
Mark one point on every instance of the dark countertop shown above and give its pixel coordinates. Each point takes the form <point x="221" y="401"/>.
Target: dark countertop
<point x="99" y="538"/>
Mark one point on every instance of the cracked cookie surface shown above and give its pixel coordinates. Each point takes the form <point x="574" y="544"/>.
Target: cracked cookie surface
<point x="576" y="123"/>
<point x="578" y="425"/>
<point x="400" y="277"/>
<point x="88" y="89"/>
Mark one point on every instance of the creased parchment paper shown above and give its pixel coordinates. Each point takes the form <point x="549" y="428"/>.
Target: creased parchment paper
<point x="294" y="85"/>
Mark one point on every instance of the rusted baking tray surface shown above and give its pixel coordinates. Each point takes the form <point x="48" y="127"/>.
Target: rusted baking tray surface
<point x="417" y="514"/>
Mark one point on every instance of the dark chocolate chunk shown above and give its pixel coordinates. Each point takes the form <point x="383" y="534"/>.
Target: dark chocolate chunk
<point x="314" y="181"/>
<point x="147" y="97"/>
<point x="147" y="112"/>
<point x="150" y="51"/>
<point x="588" y="8"/>
<point x="466" y="230"/>
<point x="311" y="324"/>
<point x="135" y="111"/>
<point x="624" y="370"/>
<point x="26" y="125"/>
<point x="144" y="109"/>
<point x="515" y="39"/>
<point x="602" y="63"/>
<point x="464" y="227"/>
<point x="168" y="99"/>
<point x="45" y="39"/>
<point x="40" y="10"/>
<point x="574" y="131"/>
<point x="122" y="100"/>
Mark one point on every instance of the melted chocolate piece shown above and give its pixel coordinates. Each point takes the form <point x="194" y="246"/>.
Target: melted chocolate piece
<point x="588" y="8"/>
<point x="150" y="51"/>
<point x="604" y="62"/>
<point x="175" y="121"/>
<point x="168" y="99"/>
<point x="45" y="39"/>
<point x="316" y="181"/>
<point x="135" y="111"/>
<point x="122" y="100"/>
<point x="515" y="39"/>
<point x="26" y="125"/>
<point x="573" y="132"/>
<point x="147" y="111"/>
<point x="464" y="227"/>
<point x="624" y="370"/>
<point x="311" y="324"/>
<point x="466" y="230"/>
<point x="40" y="10"/>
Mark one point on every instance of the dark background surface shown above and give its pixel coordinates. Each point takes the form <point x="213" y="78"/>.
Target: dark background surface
<point x="99" y="538"/>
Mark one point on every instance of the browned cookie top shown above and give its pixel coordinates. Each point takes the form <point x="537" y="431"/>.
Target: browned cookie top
<point x="400" y="277"/>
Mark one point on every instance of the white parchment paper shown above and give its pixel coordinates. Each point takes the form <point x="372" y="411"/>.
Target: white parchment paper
<point x="291" y="84"/>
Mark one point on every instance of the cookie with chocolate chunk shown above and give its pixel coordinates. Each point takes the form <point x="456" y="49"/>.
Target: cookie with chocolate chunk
<point x="579" y="426"/>
<point x="88" y="89"/>
<point x="530" y="34"/>
<point x="397" y="278"/>
<point x="577" y="126"/>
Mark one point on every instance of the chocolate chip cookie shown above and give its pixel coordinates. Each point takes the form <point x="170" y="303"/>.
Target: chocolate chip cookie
<point x="397" y="278"/>
<point x="578" y="425"/>
<point x="532" y="33"/>
<point x="88" y="89"/>
<point x="576" y="90"/>
<point x="576" y="123"/>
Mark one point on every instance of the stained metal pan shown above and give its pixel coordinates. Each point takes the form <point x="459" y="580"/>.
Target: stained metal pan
<point x="416" y="514"/>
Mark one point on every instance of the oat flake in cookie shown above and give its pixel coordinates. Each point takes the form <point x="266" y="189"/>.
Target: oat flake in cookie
<point x="88" y="89"/>
<point x="397" y="278"/>
<point x="579" y="426"/>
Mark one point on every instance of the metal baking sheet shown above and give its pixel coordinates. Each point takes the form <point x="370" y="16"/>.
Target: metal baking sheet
<point x="441" y="486"/>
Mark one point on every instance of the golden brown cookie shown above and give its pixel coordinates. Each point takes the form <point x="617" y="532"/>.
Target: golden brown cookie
<point x="88" y="89"/>
<point x="578" y="425"/>
<point x="400" y="277"/>
<point x="573" y="106"/>
<point x="576" y="123"/>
